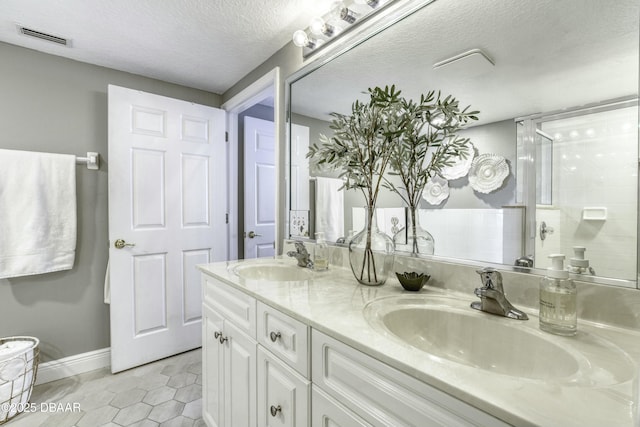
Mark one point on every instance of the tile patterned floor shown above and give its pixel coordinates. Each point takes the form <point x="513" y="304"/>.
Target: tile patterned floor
<point x="166" y="393"/>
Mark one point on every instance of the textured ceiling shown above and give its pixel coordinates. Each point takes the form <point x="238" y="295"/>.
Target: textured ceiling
<point x="205" y="44"/>
<point x="548" y="55"/>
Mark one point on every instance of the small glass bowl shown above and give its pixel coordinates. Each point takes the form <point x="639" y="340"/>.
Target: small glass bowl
<point x="412" y="281"/>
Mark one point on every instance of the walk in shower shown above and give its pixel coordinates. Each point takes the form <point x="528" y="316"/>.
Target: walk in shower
<point x="577" y="176"/>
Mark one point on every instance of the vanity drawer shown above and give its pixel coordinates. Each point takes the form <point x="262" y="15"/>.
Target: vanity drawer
<point x="233" y="304"/>
<point x="285" y="337"/>
<point x="384" y="396"/>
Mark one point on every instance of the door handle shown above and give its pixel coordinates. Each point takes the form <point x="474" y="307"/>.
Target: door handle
<point x="253" y="234"/>
<point x="120" y="243"/>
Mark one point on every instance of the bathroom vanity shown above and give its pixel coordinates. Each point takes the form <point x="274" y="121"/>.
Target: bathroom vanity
<point x="288" y="346"/>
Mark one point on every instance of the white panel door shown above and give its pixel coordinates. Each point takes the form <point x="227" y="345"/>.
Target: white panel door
<point x="167" y="206"/>
<point x="259" y="188"/>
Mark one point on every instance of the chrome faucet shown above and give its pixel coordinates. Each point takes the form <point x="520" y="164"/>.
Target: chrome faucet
<point x="492" y="298"/>
<point x="301" y="254"/>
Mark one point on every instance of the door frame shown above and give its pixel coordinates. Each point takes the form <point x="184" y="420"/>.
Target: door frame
<point x="268" y="84"/>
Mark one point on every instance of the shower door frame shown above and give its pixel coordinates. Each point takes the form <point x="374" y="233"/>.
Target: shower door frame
<point x="529" y="159"/>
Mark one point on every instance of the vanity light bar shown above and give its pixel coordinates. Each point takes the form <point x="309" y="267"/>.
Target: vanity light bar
<point x="342" y="16"/>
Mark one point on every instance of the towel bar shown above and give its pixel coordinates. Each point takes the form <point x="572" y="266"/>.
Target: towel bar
<point x="92" y="160"/>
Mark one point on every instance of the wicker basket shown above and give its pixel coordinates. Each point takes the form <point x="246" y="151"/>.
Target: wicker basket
<point x="17" y="375"/>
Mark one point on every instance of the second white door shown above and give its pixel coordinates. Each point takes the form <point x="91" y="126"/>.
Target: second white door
<point x="259" y="188"/>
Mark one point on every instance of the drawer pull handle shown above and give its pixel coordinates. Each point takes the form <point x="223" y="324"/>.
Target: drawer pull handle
<point x="274" y="410"/>
<point x="222" y="339"/>
<point x="217" y="335"/>
<point x="274" y="336"/>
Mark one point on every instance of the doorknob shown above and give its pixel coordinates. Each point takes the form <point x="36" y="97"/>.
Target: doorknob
<point x="253" y="234"/>
<point x="119" y="244"/>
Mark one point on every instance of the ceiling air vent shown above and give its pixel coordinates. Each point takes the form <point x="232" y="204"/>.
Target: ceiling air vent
<point x="43" y="36"/>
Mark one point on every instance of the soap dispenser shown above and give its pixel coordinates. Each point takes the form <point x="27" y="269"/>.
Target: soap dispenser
<point x="558" y="311"/>
<point x="320" y="253"/>
<point x="578" y="264"/>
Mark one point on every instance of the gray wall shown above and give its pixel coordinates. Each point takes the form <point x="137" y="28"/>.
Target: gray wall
<point x="58" y="105"/>
<point x="493" y="138"/>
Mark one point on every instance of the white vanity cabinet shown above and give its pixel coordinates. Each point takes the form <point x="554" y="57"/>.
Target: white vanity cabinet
<point x="246" y="384"/>
<point x="383" y="396"/>
<point x="283" y="369"/>
<point x="328" y="412"/>
<point x="229" y="356"/>
<point x="283" y="394"/>
<point x="263" y="368"/>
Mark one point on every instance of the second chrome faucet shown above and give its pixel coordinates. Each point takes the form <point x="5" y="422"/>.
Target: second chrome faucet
<point x="492" y="297"/>
<point x="301" y="254"/>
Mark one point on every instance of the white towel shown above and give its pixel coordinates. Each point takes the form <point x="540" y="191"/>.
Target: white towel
<point x="10" y="349"/>
<point x="107" y="285"/>
<point x="330" y="208"/>
<point x="37" y="212"/>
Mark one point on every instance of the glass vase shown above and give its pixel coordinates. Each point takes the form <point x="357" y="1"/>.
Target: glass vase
<point x="413" y="238"/>
<point x="371" y="252"/>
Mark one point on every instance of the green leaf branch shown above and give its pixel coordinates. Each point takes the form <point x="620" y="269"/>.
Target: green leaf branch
<point x="428" y="142"/>
<point x="362" y="143"/>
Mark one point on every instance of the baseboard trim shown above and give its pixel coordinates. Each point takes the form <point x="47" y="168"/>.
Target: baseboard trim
<point x="73" y="365"/>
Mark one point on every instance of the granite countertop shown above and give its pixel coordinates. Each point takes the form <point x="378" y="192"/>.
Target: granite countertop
<point x="333" y="302"/>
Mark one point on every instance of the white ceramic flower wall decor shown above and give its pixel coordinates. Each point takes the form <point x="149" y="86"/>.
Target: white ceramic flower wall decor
<point x="436" y="190"/>
<point x="487" y="172"/>
<point x="461" y="165"/>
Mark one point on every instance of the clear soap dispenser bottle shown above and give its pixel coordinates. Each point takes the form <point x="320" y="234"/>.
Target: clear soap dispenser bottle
<point x="558" y="311"/>
<point x="320" y="253"/>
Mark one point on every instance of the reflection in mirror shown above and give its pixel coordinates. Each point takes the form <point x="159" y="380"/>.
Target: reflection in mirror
<point x="556" y="85"/>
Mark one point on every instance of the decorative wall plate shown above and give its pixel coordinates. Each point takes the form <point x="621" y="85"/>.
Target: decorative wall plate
<point x="461" y="167"/>
<point x="487" y="172"/>
<point x="436" y="190"/>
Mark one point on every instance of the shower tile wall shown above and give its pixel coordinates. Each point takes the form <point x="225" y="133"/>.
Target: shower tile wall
<point x="595" y="164"/>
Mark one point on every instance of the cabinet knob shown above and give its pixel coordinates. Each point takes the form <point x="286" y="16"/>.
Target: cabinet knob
<point x="275" y="336"/>
<point x="217" y="335"/>
<point x="222" y="339"/>
<point x="274" y="410"/>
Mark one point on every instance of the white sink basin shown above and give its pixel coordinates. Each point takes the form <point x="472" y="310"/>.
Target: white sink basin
<point x="271" y="270"/>
<point x="446" y="328"/>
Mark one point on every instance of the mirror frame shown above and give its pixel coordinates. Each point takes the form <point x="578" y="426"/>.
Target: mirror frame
<point x="395" y="12"/>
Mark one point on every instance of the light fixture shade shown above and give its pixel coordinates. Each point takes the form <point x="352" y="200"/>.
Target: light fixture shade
<point x="300" y="38"/>
<point x="340" y="12"/>
<point x="372" y="3"/>
<point x="319" y="27"/>
<point x="316" y="25"/>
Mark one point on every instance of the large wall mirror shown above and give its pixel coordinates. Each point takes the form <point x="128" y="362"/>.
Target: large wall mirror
<point x="556" y="84"/>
